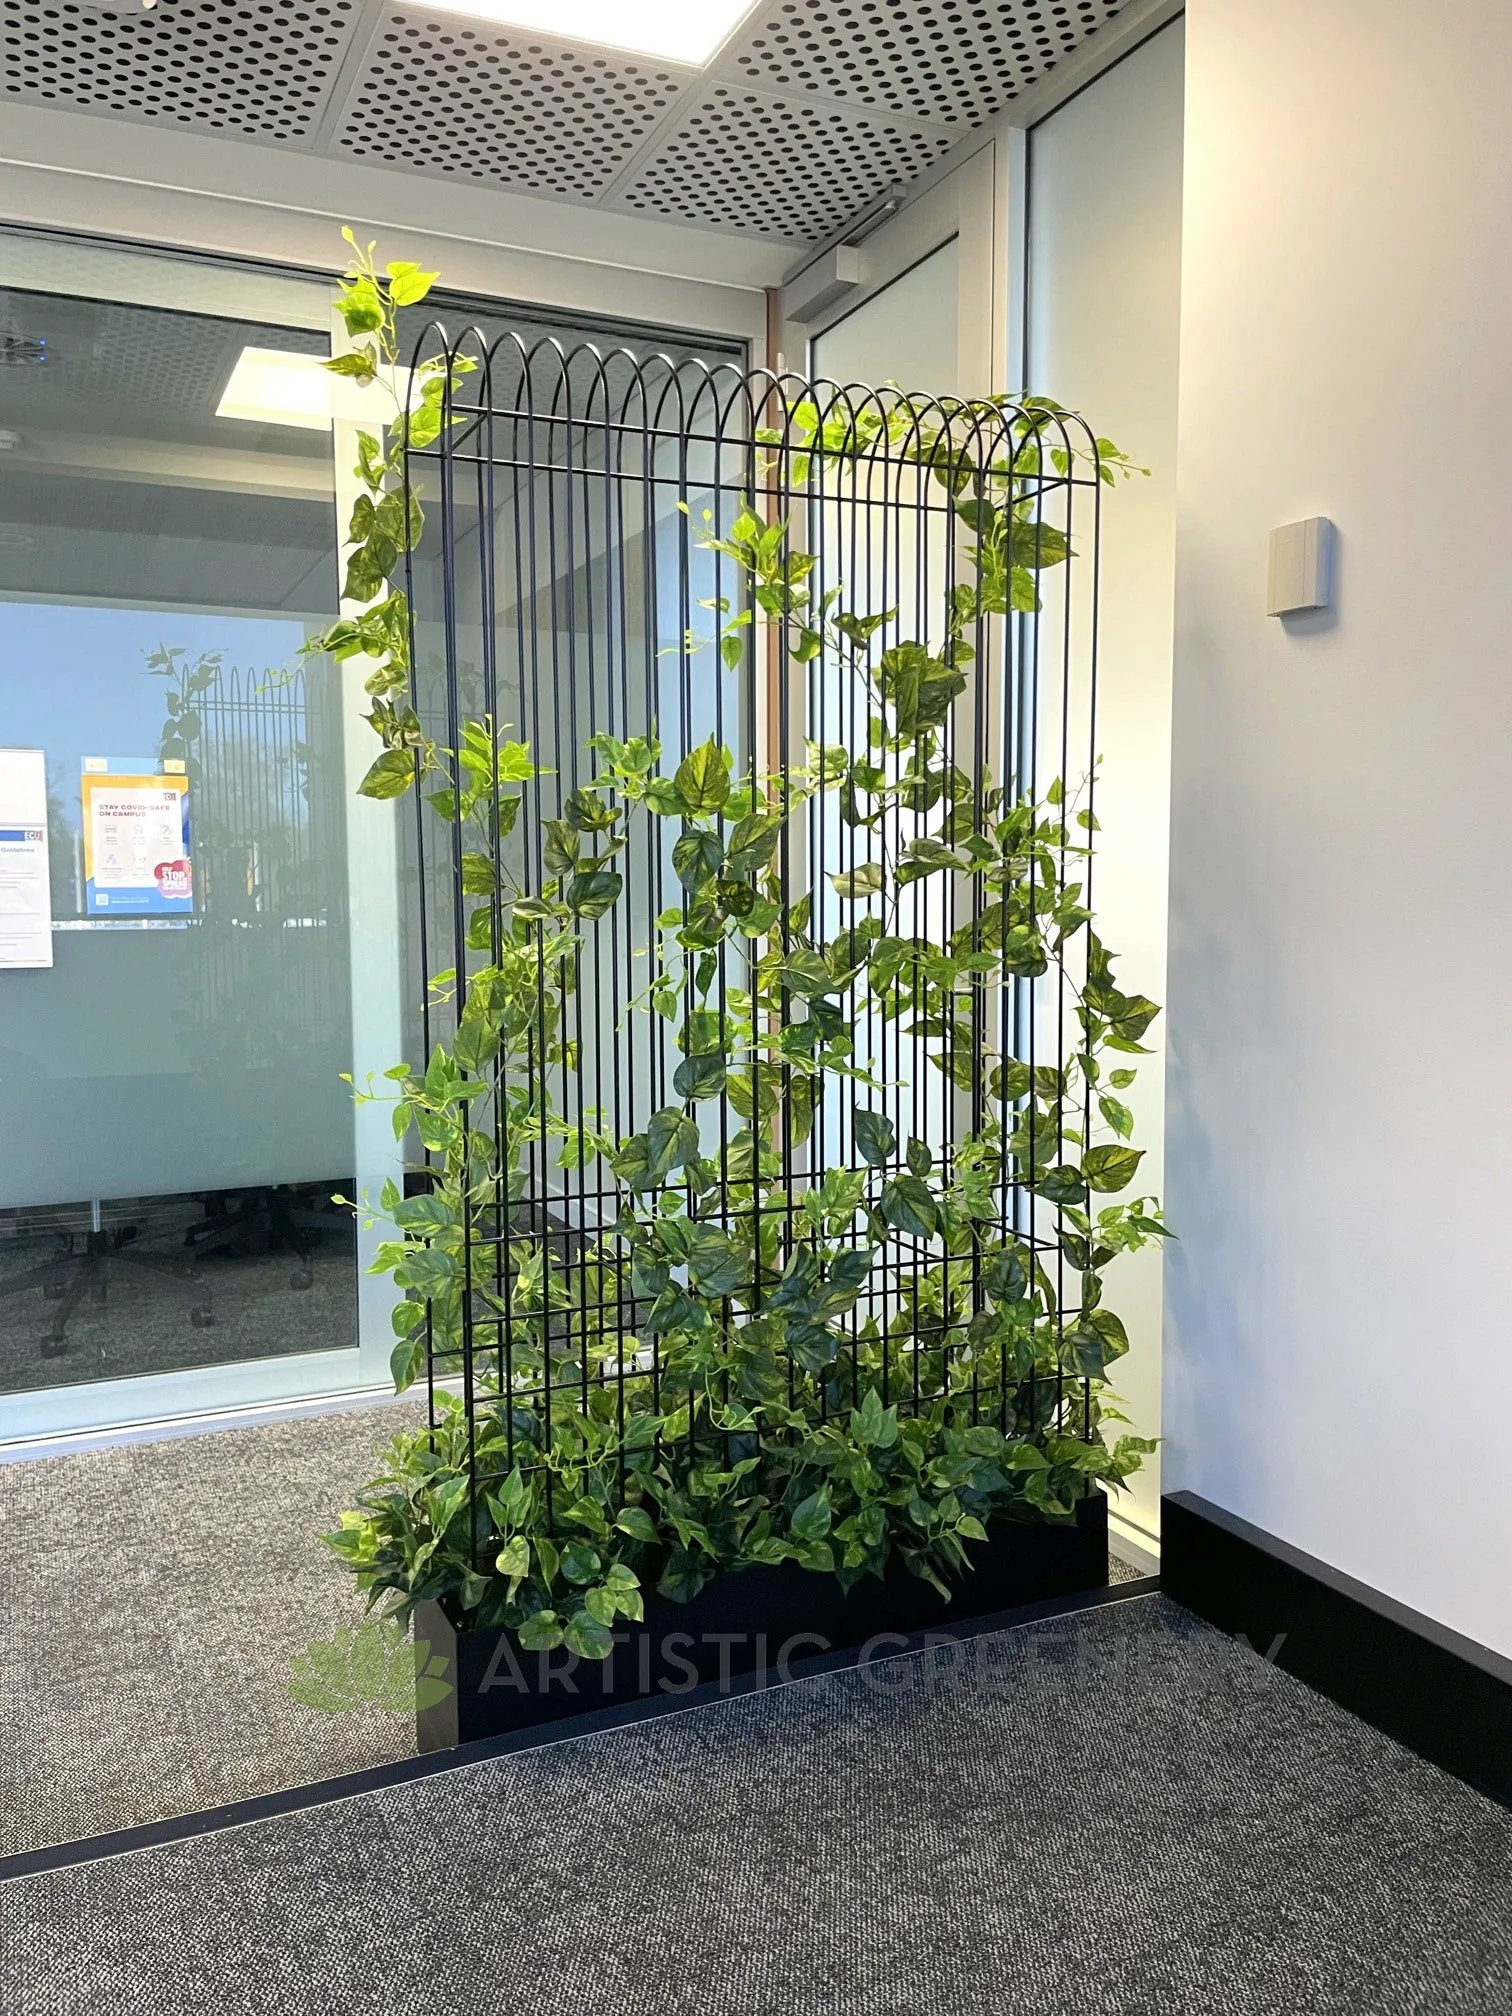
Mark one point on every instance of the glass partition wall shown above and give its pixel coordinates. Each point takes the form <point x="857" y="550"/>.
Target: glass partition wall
<point x="202" y="928"/>
<point x="170" y="1060"/>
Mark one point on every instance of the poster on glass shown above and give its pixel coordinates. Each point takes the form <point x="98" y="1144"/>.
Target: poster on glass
<point x="25" y="881"/>
<point x="137" y="859"/>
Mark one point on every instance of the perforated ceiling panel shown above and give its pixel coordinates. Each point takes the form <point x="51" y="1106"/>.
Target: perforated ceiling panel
<point x="746" y="158"/>
<point x="803" y="120"/>
<point x="499" y="107"/>
<point x="261" y="69"/>
<point x="948" y="61"/>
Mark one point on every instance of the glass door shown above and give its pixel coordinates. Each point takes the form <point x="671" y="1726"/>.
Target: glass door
<point x="176" y="987"/>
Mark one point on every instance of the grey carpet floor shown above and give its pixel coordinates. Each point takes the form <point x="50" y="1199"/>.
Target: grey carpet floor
<point x="1119" y="1813"/>
<point x="154" y="1595"/>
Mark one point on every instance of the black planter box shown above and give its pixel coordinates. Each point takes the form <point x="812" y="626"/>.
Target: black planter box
<point x="758" y="1621"/>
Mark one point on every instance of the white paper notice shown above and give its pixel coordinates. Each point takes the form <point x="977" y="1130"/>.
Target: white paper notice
<point x="25" y="887"/>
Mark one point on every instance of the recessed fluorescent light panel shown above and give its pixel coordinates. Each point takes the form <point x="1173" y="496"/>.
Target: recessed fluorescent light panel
<point x="277" y="387"/>
<point x="679" y="31"/>
<point x="286" y="388"/>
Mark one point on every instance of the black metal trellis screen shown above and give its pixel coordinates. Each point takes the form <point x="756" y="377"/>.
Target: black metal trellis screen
<point x="753" y="936"/>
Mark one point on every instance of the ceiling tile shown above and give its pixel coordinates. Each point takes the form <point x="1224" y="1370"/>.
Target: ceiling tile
<point x="813" y="110"/>
<point x="511" y="109"/>
<point x="778" y="166"/>
<point x="259" y="71"/>
<point x="954" y="62"/>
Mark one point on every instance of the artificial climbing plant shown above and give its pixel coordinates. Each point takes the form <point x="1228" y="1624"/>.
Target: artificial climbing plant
<point x="840" y="1367"/>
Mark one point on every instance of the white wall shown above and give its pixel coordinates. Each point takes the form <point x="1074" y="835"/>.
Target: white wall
<point x="1337" y="1351"/>
<point x="1104" y="295"/>
<point x="904" y="336"/>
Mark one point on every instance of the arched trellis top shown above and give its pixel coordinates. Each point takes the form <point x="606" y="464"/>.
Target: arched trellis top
<point x="512" y="381"/>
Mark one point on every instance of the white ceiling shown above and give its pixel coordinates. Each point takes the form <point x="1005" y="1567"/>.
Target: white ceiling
<point x="805" y="117"/>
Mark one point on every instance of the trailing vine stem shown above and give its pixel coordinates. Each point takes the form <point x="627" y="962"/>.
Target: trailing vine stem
<point x="788" y="1420"/>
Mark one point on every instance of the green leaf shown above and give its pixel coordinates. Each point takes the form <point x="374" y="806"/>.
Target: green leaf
<point x="703" y="779"/>
<point x="591" y="894"/>
<point x="1027" y="1457"/>
<point x="876" y="1137"/>
<point x="671" y="1142"/>
<point x="361" y="364"/>
<point x="600" y="1605"/>
<point x="715" y="1263"/>
<point x="1110" y="1328"/>
<point x="702" y="1033"/>
<point x="541" y="1632"/>
<point x="1129" y="1016"/>
<point x="700" y="1077"/>
<point x="444" y="1502"/>
<point x="860" y="630"/>
<point x="805" y="974"/>
<point x="752" y="844"/>
<point x="389" y="775"/>
<point x="407" y="1362"/>
<point x="1061" y="1185"/>
<point x="513" y="1558"/>
<point x="623" y="1584"/>
<point x="479" y="876"/>
<point x="1111" y="1167"/>
<point x="563" y="845"/>
<point x="920" y="1160"/>
<point x="431" y="1272"/>
<point x="697" y="858"/>
<point x="1005" y="1277"/>
<point x="919" y="688"/>
<point x="585" y="1635"/>
<point x="872" y="1424"/>
<point x="407" y="284"/>
<point x="855" y="884"/>
<point x="580" y="1562"/>
<point x="1037" y="544"/>
<point x="1117" y="1115"/>
<point x="811" y="1519"/>
<point x="671" y="1138"/>
<point x="639" y="1524"/>
<point x="664" y="798"/>
<point x="908" y="1204"/>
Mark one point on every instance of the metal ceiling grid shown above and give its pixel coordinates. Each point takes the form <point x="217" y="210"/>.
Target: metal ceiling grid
<point x="807" y="115"/>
